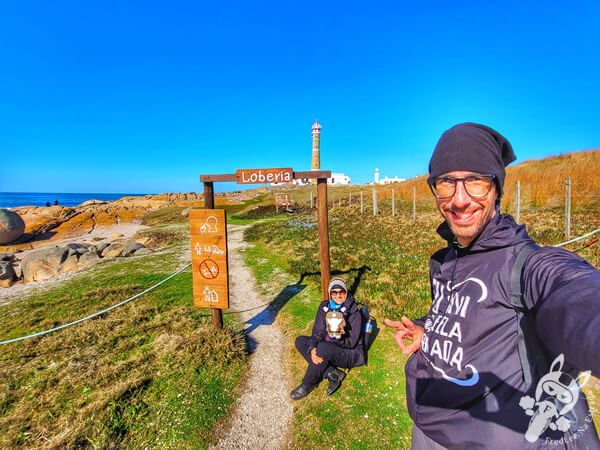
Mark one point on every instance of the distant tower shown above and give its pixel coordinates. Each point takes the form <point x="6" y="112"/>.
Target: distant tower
<point x="316" y="148"/>
<point x="376" y="175"/>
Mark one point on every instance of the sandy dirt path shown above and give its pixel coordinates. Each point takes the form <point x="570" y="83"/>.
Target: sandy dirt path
<point x="262" y="416"/>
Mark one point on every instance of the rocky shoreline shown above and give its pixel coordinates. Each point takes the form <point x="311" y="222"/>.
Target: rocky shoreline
<point x="46" y="242"/>
<point x="99" y="238"/>
<point x="57" y="240"/>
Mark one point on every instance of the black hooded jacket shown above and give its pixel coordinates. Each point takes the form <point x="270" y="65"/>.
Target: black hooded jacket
<point x="351" y="339"/>
<point x="465" y="385"/>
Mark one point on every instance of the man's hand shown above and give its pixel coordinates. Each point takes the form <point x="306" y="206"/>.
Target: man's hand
<point x="406" y="329"/>
<point x="316" y="359"/>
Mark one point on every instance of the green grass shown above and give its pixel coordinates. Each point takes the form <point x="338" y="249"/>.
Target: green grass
<point x="152" y="373"/>
<point x="165" y="216"/>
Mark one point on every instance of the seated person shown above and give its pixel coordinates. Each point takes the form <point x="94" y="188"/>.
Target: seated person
<point x="336" y="341"/>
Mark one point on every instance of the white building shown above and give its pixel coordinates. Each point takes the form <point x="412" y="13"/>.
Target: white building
<point x="338" y="178"/>
<point x="386" y="179"/>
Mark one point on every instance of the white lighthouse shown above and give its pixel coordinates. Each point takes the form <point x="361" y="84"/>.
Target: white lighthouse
<point x="316" y="146"/>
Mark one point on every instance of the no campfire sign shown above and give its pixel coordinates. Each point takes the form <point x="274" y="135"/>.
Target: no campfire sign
<point x="208" y="236"/>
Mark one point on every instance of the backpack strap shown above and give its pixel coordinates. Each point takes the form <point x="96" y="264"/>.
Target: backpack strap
<point x="528" y="341"/>
<point x="516" y="289"/>
<point x="526" y="333"/>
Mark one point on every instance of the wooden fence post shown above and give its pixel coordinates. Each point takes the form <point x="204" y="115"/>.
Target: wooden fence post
<point x="209" y="203"/>
<point x="414" y="204"/>
<point x="568" y="207"/>
<point x="323" y="235"/>
<point x="311" y="200"/>
<point x="393" y="203"/>
<point x="374" y="201"/>
<point x="362" y="207"/>
<point x="518" y="200"/>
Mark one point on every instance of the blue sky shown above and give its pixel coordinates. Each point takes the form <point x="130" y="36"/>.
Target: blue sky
<point x="143" y="97"/>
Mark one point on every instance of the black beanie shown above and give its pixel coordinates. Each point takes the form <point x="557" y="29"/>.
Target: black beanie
<point x="472" y="147"/>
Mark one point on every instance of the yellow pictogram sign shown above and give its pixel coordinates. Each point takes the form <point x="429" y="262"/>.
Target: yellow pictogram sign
<point x="208" y="236"/>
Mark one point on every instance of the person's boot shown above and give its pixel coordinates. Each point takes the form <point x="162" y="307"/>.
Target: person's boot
<point x="301" y="392"/>
<point x="335" y="377"/>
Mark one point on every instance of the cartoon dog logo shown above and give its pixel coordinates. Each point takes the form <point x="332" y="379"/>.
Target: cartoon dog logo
<point x="555" y="395"/>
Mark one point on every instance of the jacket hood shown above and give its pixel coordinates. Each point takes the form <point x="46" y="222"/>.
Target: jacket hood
<point x="501" y="231"/>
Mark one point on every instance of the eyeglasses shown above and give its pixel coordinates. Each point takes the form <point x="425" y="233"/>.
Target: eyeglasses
<point x="475" y="185"/>
<point x="338" y="292"/>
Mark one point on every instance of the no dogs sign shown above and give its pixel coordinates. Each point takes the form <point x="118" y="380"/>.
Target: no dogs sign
<point x="208" y="236"/>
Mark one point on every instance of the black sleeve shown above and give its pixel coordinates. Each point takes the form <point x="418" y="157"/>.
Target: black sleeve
<point x="353" y="330"/>
<point x="318" y="331"/>
<point x="564" y="292"/>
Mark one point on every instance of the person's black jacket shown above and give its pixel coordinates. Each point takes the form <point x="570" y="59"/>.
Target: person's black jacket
<point x="465" y="385"/>
<point x="352" y="338"/>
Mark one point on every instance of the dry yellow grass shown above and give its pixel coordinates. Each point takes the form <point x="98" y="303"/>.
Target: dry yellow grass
<point x="543" y="181"/>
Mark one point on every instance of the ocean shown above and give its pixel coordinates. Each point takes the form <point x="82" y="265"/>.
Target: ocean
<point x="16" y="199"/>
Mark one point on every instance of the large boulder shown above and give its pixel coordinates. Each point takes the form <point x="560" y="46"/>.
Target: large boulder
<point x="78" y="249"/>
<point x="71" y="264"/>
<point x="12" y="226"/>
<point x="113" y="250"/>
<point x="101" y="246"/>
<point x="7" y="274"/>
<point x="44" y="264"/>
<point x="7" y="256"/>
<point x="143" y="251"/>
<point x="92" y="202"/>
<point x="131" y="248"/>
<point x="89" y="258"/>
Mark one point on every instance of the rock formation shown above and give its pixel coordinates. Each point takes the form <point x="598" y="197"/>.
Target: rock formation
<point x="46" y="263"/>
<point x="7" y="271"/>
<point x="58" y="222"/>
<point x="12" y="226"/>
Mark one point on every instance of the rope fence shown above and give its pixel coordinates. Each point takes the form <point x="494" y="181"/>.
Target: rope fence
<point x="591" y="233"/>
<point x="99" y="313"/>
<point x="104" y="311"/>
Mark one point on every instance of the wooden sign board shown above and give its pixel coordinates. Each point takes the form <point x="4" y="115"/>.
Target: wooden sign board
<point x="282" y="199"/>
<point x="258" y="176"/>
<point x="210" y="278"/>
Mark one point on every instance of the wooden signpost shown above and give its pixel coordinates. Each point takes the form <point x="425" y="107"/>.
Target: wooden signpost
<point x="211" y="292"/>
